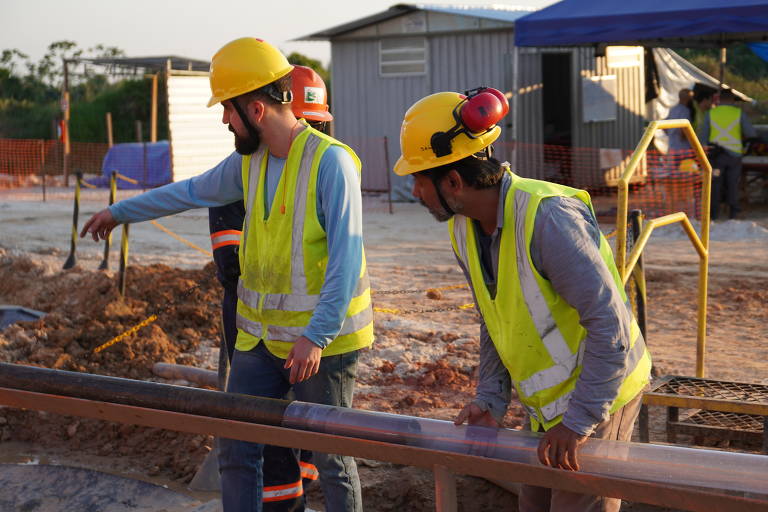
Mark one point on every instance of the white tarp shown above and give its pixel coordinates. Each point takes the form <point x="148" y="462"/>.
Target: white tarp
<point x="198" y="138"/>
<point x="675" y="73"/>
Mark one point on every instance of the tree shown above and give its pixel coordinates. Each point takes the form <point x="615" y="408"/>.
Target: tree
<point x="300" y="59"/>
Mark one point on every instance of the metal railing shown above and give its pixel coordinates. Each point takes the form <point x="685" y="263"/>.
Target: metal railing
<point x="701" y="244"/>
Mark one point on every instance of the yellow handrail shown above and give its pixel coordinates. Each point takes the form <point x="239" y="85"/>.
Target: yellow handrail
<point x="701" y="244"/>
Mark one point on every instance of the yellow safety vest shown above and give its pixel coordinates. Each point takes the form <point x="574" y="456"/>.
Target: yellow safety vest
<point x="284" y="254"/>
<point x="536" y="333"/>
<point x="725" y="127"/>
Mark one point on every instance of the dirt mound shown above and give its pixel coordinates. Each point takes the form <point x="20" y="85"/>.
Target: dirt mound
<point x="84" y="312"/>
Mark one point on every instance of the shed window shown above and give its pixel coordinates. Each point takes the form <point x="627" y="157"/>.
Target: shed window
<point x="403" y="56"/>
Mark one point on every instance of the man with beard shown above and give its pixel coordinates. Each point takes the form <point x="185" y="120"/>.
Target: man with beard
<point x="555" y="321"/>
<point x="287" y="471"/>
<point x="304" y="307"/>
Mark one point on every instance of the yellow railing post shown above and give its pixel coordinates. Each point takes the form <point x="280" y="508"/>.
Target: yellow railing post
<point x="699" y="242"/>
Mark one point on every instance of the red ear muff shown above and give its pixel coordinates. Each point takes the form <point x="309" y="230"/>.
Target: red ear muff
<point x="502" y="99"/>
<point x="481" y="112"/>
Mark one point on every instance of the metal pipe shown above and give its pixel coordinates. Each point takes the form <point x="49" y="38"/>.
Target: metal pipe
<point x="198" y="376"/>
<point x="610" y="460"/>
<point x="152" y="395"/>
<point x="676" y="465"/>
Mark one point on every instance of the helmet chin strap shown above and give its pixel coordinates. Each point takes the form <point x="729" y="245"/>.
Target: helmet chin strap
<point x="244" y="118"/>
<point x="440" y="197"/>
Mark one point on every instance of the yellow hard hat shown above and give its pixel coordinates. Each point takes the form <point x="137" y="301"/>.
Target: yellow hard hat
<point x="429" y="116"/>
<point x="245" y="65"/>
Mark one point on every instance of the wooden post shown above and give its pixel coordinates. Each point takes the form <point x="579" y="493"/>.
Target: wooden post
<point x="153" y="120"/>
<point x="110" y="141"/>
<point x="42" y="165"/>
<point x="445" y="490"/>
<point x="723" y="57"/>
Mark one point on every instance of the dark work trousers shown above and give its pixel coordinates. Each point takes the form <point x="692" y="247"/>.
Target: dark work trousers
<point x="726" y="173"/>
<point x="284" y="468"/>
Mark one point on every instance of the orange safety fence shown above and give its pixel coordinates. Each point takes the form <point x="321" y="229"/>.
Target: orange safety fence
<point x="665" y="183"/>
<point x="25" y="162"/>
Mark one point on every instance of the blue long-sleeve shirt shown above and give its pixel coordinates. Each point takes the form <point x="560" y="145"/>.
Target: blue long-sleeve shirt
<point x="339" y="210"/>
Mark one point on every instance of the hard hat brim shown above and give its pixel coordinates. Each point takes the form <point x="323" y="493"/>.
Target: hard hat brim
<point x="218" y="99"/>
<point x="313" y="115"/>
<point x="405" y="167"/>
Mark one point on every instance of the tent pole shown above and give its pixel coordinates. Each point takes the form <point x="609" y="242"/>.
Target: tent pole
<point x="723" y="56"/>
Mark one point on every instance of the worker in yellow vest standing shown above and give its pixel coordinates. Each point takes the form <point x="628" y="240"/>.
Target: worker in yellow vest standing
<point x="304" y="305"/>
<point x="556" y="325"/>
<point x="287" y="471"/>
<point x="725" y="128"/>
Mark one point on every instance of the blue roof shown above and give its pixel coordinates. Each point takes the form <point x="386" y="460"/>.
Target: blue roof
<point x="665" y="22"/>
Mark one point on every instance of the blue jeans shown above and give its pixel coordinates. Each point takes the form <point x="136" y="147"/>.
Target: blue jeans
<point x="259" y="373"/>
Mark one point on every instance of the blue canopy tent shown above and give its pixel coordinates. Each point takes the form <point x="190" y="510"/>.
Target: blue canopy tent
<point x="649" y="23"/>
<point x="666" y="23"/>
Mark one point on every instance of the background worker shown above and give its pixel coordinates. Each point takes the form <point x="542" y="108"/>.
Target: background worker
<point x="678" y="143"/>
<point x="703" y="99"/>
<point x="726" y="128"/>
<point x="555" y="319"/>
<point x="304" y="308"/>
<point x="284" y="468"/>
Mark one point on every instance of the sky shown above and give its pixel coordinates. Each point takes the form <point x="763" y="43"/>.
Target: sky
<point x="188" y="28"/>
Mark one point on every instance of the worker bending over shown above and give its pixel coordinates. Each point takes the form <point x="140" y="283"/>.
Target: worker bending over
<point x="555" y="321"/>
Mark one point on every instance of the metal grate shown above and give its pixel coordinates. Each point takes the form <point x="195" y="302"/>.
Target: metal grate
<point x="727" y="420"/>
<point x="713" y="389"/>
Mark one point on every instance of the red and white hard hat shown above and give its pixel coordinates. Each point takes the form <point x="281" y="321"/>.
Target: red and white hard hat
<point x="310" y="97"/>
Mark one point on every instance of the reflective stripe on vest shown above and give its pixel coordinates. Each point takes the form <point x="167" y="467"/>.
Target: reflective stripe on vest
<point x="308" y="471"/>
<point x="291" y="237"/>
<point x="289" y="301"/>
<point x="282" y="492"/>
<point x="224" y="238"/>
<point x="725" y="127"/>
<point x="565" y="358"/>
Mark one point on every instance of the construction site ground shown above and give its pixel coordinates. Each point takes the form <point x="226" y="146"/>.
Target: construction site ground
<point x="423" y="363"/>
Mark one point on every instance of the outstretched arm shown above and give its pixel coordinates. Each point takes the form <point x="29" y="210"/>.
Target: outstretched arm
<point x="216" y="187"/>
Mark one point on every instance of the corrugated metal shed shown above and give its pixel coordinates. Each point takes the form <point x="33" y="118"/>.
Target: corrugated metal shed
<point x="463" y="47"/>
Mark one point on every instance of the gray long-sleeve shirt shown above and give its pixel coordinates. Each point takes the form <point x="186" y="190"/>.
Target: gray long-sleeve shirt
<point x="564" y="250"/>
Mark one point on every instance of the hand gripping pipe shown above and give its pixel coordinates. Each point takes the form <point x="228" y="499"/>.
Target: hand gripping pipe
<point x="717" y="470"/>
<point x="711" y="469"/>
